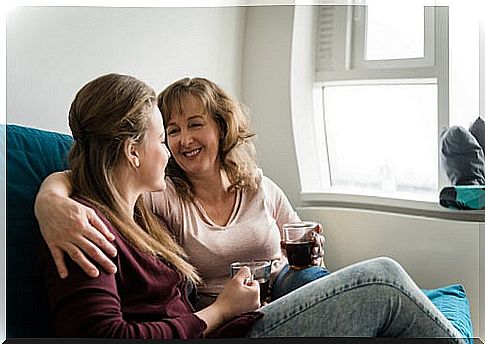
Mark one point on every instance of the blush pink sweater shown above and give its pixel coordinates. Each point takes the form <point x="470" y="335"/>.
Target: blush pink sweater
<point x="253" y="232"/>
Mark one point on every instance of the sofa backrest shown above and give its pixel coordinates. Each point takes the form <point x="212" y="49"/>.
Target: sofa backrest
<point x="31" y="155"/>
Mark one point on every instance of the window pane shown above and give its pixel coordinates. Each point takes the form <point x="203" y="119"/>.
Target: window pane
<point x="394" y="30"/>
<point x="382" y="138"/>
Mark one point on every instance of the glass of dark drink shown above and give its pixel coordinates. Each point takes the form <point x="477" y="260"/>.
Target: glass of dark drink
<point x="299" y="243"/>
<point x="260" y="271"/>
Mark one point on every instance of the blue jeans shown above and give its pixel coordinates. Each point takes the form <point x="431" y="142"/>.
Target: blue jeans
<point x="374" y="298"/>
<point x="289" y="280"/>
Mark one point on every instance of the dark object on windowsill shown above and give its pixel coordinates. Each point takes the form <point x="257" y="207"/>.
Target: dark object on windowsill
<point x="462" y="157"/>
<point x="463" y="161"/>
<point x="477" y="129"/>
<point x="463" y="197"/>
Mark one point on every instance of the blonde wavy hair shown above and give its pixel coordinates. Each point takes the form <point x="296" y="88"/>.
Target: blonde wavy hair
<point x="236" y="152"/>
<point x="105" y="113"/>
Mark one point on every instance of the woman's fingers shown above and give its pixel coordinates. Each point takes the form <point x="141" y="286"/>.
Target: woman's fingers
<point x="319" y="228"/>
<point x="58" y="256"/>
<point x="319" y="240"/>
<point x="243" y="275"/>
<point x="95" y="253"/>
<point x="96" y="231"/>
<point x="86" y="239"/>
<point x="317" y="249"/>
<point x="254" y="285"/>
<point x="319" y="243"/>
<point x="318" y="252"/>
<point x="80" y="259"/>
<point x="96" y="222"/>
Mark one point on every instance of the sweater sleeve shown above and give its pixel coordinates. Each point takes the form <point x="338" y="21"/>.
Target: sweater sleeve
<point x="282" y="210"/>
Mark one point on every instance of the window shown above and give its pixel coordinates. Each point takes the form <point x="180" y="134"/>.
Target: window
<point x="367" y="112"/>
<point x="381" y="89"/>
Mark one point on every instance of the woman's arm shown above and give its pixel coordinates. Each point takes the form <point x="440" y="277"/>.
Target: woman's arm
<point x="68" y="226"/>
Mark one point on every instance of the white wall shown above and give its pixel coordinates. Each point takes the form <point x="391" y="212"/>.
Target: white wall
<point x="434" y="252"/>
<point x="266" y="90"/>
<point x="53" y="51"/>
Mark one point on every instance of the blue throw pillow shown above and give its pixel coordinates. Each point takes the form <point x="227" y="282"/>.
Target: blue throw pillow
<point x="31" y="155"/>
<point x="453" y="303"/>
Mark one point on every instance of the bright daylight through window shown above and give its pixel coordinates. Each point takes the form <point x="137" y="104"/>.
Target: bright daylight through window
<point x="383" y="139"/>
<point x="381" y="105"/>
<point x="394" y="32"/>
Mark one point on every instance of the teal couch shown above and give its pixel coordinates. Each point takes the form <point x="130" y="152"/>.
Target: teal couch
<point x="33" y="154"/>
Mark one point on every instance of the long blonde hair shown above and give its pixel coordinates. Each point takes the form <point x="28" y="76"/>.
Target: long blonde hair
<point x="105" y="113"/>
<point x="236" y="152"/>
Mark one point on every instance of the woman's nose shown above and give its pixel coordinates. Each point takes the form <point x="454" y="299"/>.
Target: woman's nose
<point x="185" y="139"/>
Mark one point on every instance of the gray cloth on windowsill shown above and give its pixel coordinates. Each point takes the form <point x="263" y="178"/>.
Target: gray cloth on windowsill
<point x="462" y="157"/>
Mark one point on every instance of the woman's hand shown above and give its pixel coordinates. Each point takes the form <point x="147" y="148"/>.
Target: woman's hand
<point x="317" y="249"/>
<point x="68" y="226"/>
<point x="237" y="297"/>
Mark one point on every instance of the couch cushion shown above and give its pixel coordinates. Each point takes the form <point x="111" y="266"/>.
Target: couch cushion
<point x="452" y="301"/>
<point x="31" y="155"/>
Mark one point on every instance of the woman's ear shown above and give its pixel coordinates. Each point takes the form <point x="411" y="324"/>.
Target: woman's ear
<point x="132" y="152"/>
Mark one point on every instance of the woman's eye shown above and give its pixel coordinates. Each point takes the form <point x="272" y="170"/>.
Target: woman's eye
<point x="195" y="125"/>
<point x="172" y="131"/>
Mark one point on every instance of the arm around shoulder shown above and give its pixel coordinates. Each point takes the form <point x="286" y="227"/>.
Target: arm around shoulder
<point x="56" y="184"/>
<point x="68" y="226"/>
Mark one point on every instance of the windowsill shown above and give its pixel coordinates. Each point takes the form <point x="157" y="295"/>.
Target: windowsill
<point x="424" y="207"/>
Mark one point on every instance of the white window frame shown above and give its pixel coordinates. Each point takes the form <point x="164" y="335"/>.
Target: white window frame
<point x="308" y="123"/>
<point x="358" y="18"/>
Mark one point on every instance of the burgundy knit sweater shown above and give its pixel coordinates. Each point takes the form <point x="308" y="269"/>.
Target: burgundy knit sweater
<point x="146" y="298"/>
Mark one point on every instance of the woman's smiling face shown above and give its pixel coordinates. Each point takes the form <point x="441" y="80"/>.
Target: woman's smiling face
<point x="193" y="138"/>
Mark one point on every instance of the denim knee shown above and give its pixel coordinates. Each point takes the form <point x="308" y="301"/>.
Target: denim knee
<point x="393" y="270"/>
<point x="289" y="280"/>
